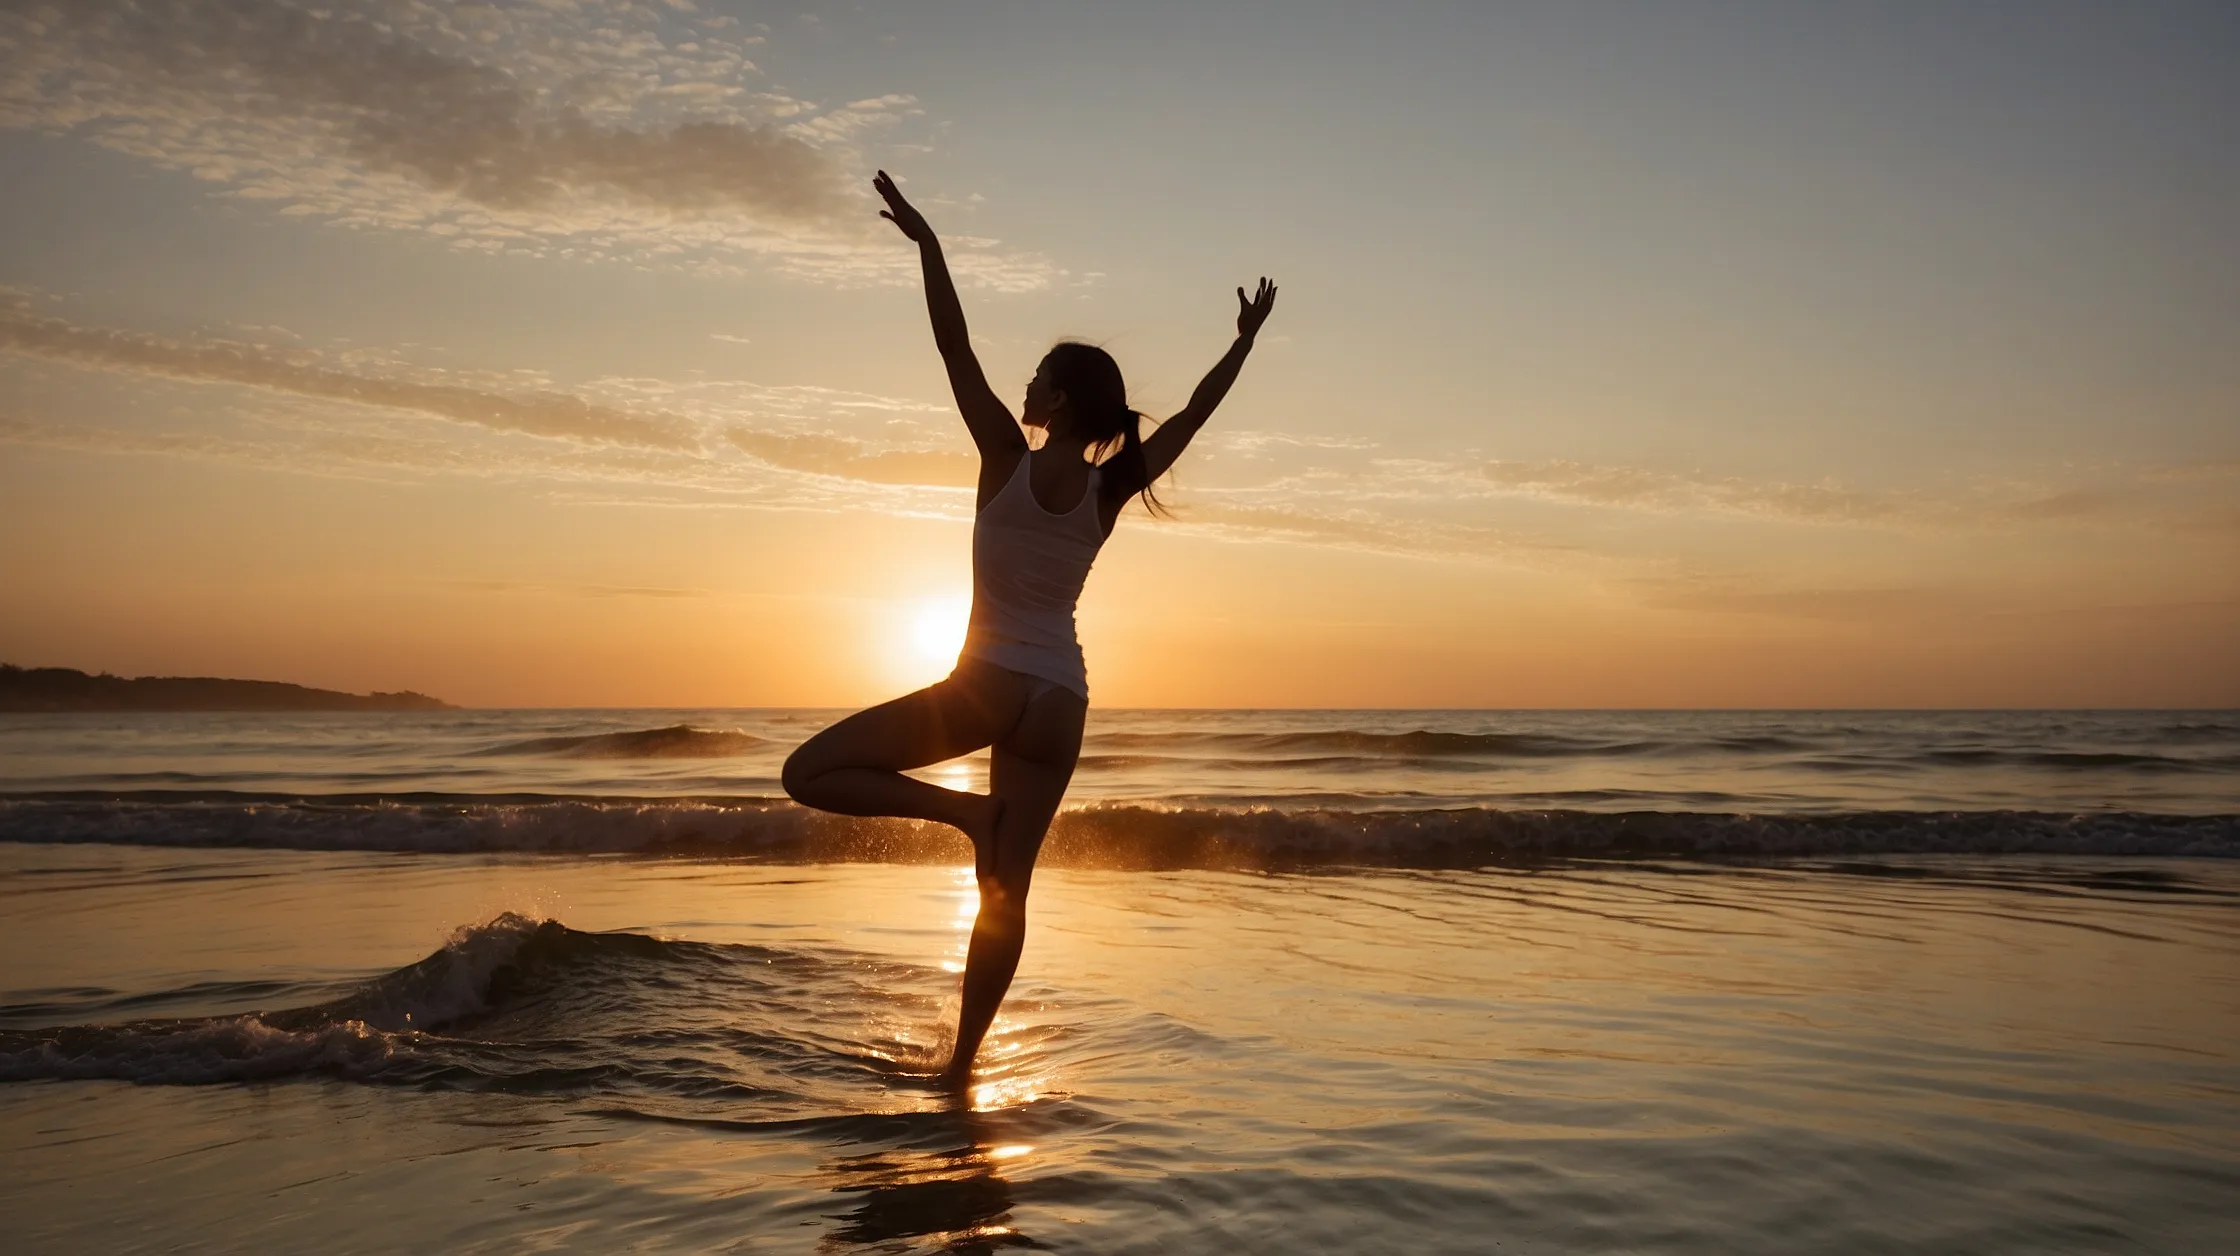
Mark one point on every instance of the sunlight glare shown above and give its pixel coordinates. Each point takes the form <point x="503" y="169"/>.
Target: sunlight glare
<point x="937" y="629"/>
<point x="1010" y="1092"/>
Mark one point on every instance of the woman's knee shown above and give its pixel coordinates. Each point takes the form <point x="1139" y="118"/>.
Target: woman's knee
<point x="1003" y="900"/>
<point x="801" y="767"/>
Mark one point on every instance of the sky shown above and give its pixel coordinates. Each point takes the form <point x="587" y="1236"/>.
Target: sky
<point x="1627" y="355"/>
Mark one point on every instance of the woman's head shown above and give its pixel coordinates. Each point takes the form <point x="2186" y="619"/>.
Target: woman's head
<point x="1081" y="385"/>
<point x="1078" y="391"/>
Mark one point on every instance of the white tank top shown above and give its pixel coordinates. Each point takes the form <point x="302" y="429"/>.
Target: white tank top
<point x="1028" y="566"/>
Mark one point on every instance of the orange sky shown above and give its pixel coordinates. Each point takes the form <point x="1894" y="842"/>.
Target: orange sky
<point x="1731" y="364"/>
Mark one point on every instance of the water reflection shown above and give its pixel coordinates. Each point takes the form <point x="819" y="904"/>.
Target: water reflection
<point x="945" y="1189"/>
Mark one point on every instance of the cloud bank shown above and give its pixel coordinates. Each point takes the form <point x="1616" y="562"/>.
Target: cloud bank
<point x="2122" y="495"/>
<point x="552" y="414"/>
<point x="585" y="128"/>
<point x="1638" y="489"/>
<point x="718" y="442"/>
<point x="836" y="456"/>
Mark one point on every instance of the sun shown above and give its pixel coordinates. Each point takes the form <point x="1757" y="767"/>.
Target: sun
<point x="937" y="628"/>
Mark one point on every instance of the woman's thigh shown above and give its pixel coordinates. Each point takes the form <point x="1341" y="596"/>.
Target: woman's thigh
<point x="941" y="721"/>
<point x="1029" y="769"/>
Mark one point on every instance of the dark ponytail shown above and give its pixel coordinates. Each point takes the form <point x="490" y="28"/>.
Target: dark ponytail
<point x="1098" y="398"/>
<point x="1131" y="464"/>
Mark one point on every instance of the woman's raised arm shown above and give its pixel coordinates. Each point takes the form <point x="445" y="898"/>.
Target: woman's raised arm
<point x="985" y="415"/>
<point x="1162" y="447"/>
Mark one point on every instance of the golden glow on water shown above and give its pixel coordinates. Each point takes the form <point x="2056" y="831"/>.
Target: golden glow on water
<point x="958" y="774"/>
<point x="967" y="909"/>
<point x="1008" y="1092"/>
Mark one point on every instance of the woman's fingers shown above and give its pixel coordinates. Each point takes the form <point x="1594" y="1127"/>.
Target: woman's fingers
<point x="1261" y="299"/>
<point x="883" y="183"/>
<point x="1253" y="311"/>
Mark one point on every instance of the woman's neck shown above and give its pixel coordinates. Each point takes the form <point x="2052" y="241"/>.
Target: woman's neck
<point x="1063" y="444"/>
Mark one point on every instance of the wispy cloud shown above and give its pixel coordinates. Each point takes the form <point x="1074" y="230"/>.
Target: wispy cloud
<point x="315" y="441"/>
<point x="1334" y="522"/>
<point x="836" y="456"/>
<point x="1255" y="443"/>
<point x="1636" y="488"/>
<point x="1912" y="607"/>
<point x="724" y="441"/>
<point x="2110" y="495"/>
<point x="552" y="414"/>
<point x="577" y="127"/>
<point x="1879" y="605"/>
<point x="736" y="443"/>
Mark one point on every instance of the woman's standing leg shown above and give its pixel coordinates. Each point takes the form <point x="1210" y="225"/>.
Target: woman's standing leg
<point x="1028" y="772"/>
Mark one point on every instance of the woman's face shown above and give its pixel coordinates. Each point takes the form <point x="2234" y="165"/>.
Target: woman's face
<point x="1043" y="400"/>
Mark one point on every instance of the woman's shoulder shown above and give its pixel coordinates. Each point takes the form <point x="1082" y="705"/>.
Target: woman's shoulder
<point x="998" y="467"/>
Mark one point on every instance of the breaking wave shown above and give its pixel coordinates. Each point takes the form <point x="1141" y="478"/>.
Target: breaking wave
<point x="1105" y="836"/>
<point x="532" y="1006"/>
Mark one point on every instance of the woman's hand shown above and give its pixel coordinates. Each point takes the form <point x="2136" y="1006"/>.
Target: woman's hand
<point x="905" y="215"/>
<point x="1253" y="312"/>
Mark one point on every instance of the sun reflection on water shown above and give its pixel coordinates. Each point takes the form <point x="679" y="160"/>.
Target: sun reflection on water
<point x="1009" y="1092"/>
<point x="958" y="774"/>
<point x="952" y="1195"/>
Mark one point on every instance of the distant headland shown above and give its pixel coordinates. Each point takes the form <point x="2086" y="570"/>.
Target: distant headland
<point x="68" y="689"/>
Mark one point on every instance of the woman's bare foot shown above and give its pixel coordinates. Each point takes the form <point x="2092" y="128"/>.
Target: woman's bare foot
<point x="957" y="1078"/>
<point x="981" y="828"/>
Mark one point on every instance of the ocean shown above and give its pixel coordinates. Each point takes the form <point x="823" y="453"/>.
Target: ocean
<point x="1416" y="981"/>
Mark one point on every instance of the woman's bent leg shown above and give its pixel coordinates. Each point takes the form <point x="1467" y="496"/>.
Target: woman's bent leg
<point x="1030" y="768"/>
<point x="856" y="766"/>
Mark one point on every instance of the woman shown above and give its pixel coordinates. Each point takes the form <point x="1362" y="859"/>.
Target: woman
<point x="1020" y="686"/>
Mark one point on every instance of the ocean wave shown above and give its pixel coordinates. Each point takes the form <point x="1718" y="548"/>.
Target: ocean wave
<point x="518" y="1005"/>
<point x="2194" y="731"/>
<point x="1418" y="744"/>
<point x="2080" y="760"/>
<point x="363" y="1036"/>
<point x="1359" y="749"/>
<point x="679" y="741"/>
<point x="1117" y="836"/>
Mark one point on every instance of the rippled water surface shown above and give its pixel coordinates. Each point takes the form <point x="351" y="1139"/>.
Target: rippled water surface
<point x="347" y="1051"/>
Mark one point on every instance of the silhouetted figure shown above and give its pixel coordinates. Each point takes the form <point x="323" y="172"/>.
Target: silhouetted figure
<point x="1020" y="685"/>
